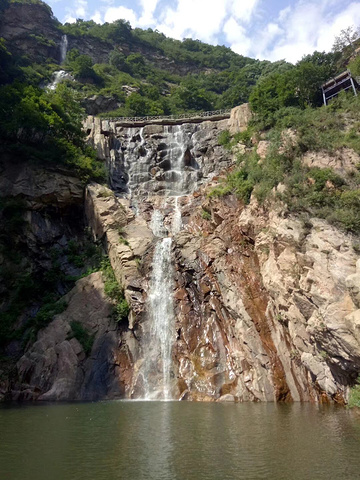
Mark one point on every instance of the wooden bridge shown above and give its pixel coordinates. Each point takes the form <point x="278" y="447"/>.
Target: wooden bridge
<point x="196" y="117"/>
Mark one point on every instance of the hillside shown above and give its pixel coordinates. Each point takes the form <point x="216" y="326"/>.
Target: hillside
<point x="123" y="64"/>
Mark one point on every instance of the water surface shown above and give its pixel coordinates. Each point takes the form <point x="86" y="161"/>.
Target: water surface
<point x="178" y="440"/>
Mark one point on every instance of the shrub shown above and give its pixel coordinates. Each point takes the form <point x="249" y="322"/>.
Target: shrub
<point x="224" y="139"/>
<point x="205" y="214"/>
<point x="354" y="397"/>
<point x="115" y="292"/>
<point x="79" y="332"/>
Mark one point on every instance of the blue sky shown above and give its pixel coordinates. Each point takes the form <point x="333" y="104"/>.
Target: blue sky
<point x="280" y="29"/>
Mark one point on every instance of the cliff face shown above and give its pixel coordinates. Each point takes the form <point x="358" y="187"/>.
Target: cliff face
<point x="275" y="305"/>
<point x="265" y="306"/>
<point x="265" y="303"/>
<point x="31" y="30"/>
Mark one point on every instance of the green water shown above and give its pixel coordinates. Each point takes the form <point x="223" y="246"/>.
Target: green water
<point x="174" y="440"/>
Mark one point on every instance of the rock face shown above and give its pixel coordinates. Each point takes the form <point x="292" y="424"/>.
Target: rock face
<point x="341" y="161"/>
<point x="39" y="185"/>
<point x="22" y="24"/>
<point x="99" y="103"/>
<point x="239" y="118"/>
<point x="265" y="306"/>
<point x="56" y="366"/>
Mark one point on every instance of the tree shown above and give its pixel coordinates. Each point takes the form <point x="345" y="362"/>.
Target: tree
<point x="5" y="62"/>
<point x="118" y="31"/>
<point x="136" y="64"/>
<point x="309" y="77"/>
<point x="354" y="67"/>
<point x="347" y="38"/>
<point x="118" y="60"/>
<point x="136" y="104"/>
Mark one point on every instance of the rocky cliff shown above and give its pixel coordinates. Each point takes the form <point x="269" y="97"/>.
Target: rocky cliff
<point x="265" y="305"/>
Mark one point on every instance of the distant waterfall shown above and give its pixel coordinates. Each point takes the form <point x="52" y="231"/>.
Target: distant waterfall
<point x="60" y="75"/>
<point x="63" y="49"/>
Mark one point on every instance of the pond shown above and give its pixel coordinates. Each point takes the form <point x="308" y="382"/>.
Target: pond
<point x="178" y="440"/>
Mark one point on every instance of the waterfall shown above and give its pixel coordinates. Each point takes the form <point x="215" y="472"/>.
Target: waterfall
<point x="157" y="354"/>
<point x="159" y="333"/>
<point x="60" y="75"/>
<point x="177" y="220"/>
<point x="63" y="48"/>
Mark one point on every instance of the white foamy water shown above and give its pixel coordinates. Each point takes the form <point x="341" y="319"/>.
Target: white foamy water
<point x="157" y="369"/>
<point x="60" y="75"/>
<point x="63" y="48"/>
<point x="176" y="225"/>
<point x="162" y="324"/>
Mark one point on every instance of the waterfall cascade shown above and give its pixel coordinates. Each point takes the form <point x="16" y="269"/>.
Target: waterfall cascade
<point x="60" y="75"/>
<point x="157" y="370"/>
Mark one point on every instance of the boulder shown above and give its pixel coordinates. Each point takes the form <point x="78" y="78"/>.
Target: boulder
<point x="239" y="118"/>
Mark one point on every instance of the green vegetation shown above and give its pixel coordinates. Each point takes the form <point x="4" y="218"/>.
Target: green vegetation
<point x="44" y="316"/>
<point x="313" y="191"/>
<point x="205" y="215"/>
<point x="297" y="87"/>
<point x="115" y="292"/>
<point x="43" y="126"/>
<point x="158" y="68"/>
<point x="354" y="397"/>
<point x="85" y="339"/>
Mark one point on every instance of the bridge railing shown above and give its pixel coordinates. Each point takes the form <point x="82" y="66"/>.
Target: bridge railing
<point x="181" y="116"/>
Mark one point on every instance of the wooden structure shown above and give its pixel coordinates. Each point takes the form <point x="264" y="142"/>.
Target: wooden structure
<point x="341" y="82"/>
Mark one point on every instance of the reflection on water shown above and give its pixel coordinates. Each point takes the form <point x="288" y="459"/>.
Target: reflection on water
<point x="174" y="440"/>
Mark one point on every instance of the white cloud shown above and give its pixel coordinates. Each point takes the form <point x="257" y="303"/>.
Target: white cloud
<point x="305" y="27"/>
<point x="284" y="13"/>
<point x="97" y="17"/>
<point x="148" y="10"/>
<point x="69" y="19"/>
<point x="117" y="13"/>
<point x="80" y="8"/>
<point x="243" y="10"/>
<point x="200" y="19"/>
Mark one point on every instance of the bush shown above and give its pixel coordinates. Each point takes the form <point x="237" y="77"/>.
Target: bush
<point x="205" y="215"/>
<point x="42" y="319"/>
<point x="79" y="332"/>
<point x="115" y="292"/>
<point x="354" y="397"/>
<point x="224" y="139"/>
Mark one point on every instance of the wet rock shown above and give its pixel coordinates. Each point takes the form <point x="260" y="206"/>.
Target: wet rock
<point x="158" y="149"/>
